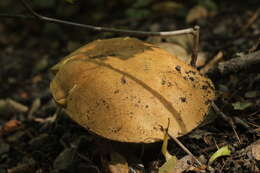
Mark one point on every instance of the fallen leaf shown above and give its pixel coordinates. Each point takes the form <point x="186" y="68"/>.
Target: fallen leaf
<point x="41" y="64"/>
<point x="196" y="13"/>
<point x="10" y="126"/>
<point x="10" y="105"/>
<point x="241" y="105"/>
<point x="36" y="79"/>
<point x="65" y="159"/>
<point x="199" y="134"/>
<point x="167" y="7"/>
<point x="168" y="166"/>
<point x="223" y="151"/>
<point x="171" y="160"/>
<point x="252" y="94"/>
<point x="186" y="41"/>
<point x="183" y="164"/>
<point x="256" y="150"/>
<point x="117" y="163"/>
<point x="175" y="49"/>
<point x="35" y="106"/>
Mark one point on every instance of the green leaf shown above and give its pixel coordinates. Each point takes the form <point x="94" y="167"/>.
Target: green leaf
<point x="168" y="166"/>
<point x="171" y="160"/>
<point x="241" y="105"/>
<point x="164" y="150"/>
<point x="223" y="151"/>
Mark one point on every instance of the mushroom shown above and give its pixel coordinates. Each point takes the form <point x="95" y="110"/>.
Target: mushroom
<point x="127" y="90"/>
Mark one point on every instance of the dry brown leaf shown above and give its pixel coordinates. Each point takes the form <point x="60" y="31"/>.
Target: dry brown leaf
<point x="180" y="47"/>
<point x="166" y="7"/>
<point x="116" y="164"/>
<point x="169" y="165"/>
<point x="196" y="13"/>
<point x="183" y="164"/>
<point x="126" y="90"/>
<point x="10" y="126"/>
<point x="175" y="49"/>
<point x="256" y="150"/>
<point x="213" y="62"/>
<point x="10" y="105"/>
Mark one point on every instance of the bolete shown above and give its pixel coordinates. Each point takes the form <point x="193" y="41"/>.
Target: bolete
<point x="127" y="90"/>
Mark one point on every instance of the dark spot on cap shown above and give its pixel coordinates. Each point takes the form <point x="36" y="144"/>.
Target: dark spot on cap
<point x="163" y="82"/>
<point x="116" y="91"/>
<point x="146" y="106"/>
<point x="183" y="99"/>
<point x="115" y="130"/>
<point x="191" y="78"/>
<point x="205" y="87"/>
<point x="190" y="72"/>
<point x="123" y="80"/>
<point x="178" y="68"/>
<point x="209" y="84"/>
<point x="207" y="102"/>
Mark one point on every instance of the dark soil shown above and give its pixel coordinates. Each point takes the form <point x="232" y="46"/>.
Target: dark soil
<point x="37" y="136"/>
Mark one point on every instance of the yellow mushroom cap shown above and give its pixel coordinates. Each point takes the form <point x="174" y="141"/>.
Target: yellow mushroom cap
<point x="126" y="90"/>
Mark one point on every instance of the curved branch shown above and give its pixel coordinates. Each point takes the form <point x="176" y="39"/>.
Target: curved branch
<point x="193" y="31"/>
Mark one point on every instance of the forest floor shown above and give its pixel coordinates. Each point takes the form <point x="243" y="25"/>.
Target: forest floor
<point x="34" y="139"/>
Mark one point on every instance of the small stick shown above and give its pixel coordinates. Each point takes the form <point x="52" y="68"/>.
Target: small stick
<point x="181" y="145"/>
<point x="30" y="167"/>
<point x="226" y="118"/>
<point x="251" y="20"/>
<point x="213" y="147"/>
<point x="185" y="149"/>
<point x="195" y="48"/>
<point x="213" y="62"/>
<point x="236" y="64"/>
<point x="218" y="111"/>
<point x="234" y="130"/>
<point x="193" y="31"/>
<point x="105" y="29"/>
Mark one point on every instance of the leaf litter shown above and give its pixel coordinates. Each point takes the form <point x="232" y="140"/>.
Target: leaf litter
<point x="34" y="146"/>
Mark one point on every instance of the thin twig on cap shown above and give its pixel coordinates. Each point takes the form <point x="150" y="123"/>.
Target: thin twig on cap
<point x="193" y="31"/>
